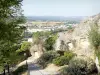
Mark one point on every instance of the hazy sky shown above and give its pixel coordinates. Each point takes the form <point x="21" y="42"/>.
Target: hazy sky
<point x="61" y="7"/>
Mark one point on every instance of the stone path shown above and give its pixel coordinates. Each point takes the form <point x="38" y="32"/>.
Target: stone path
<point x="34" y="69"/>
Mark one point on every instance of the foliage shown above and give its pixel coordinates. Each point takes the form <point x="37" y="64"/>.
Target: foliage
<point x="94" y="39"/>
<point x="60" y="61"/>
<point x="63" y="71"/>
<point x="64" y="60"/>
<point x="24" y="47"/>
<point x="49" y="42"/>
<point x="37" y="36"/>
<point x="11" y="17"/>
<point x="47" y="58"/>
<point x="41" y="34"/>
<point x="98" y="55"/>
<point x="8" y="54"/>
<point x="46" y="39"/>
<point x="69" y="54"/>
<point x="72" y="22"/>
<point x="9" y="7"/>
<point x="70" y="27"/>
<point x="81" y="67"/>
<point x="94" y="36"/>
<point x="1" y="69"/>
<point x="23" y="51"/>
<point x="58" y="30"/>
<point x="20" y="70"/>
<point x="11" y="30"/>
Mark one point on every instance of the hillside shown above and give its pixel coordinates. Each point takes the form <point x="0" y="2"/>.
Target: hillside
<point x="80" y="34"/>
<point x="82" y="29"/>
<point x="78" y="39"/>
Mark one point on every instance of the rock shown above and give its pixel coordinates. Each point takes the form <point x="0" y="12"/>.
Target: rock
<point x="80" y="34"/>
<point x="36" y="50"/>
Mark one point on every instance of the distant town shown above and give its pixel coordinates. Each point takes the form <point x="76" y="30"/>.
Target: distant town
<point x="48" y="23"/>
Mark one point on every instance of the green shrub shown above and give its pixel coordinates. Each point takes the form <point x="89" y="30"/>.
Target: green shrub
<point x="60" y="61"/>
<point x="94" y="36"/>
<point x="69" y="55"/>
<point x="38" y="36"/>
<point x="49" y="42"/>
<point x="63" y="71"/>
<point x="64" y="60"/>
<point x="47" y="58"/>
<point x="81" y="67"/>
<point x="24" y="47"/>
<point x="23" y="51"/>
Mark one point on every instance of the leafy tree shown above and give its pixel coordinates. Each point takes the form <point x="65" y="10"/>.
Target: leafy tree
<point x="38" y="36"/>
<point x="10" y="18"/>
<point x="25" y="46"/>
<point x="11" y="29"/>
<point x="49" y="42"/>
<point x="24" y="49"/>
<point x="8" y="55"/>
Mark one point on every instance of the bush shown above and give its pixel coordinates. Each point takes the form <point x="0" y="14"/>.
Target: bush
<point x="47" y="58"/>
<point x="81" y="67"/>
<point x="60" y="61"/>
<point x="69" y="54"/>
<point x="94" y="36"/>
<point x="63" y="71"/>
<point x="49" y="42"/>
<point x="24" y="49"/>
<point x="64" y="60"/>
<point x="38" y="36"/>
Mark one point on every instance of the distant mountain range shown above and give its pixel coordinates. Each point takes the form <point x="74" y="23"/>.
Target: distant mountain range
<point x="54" y="18"/>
